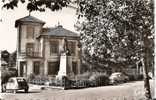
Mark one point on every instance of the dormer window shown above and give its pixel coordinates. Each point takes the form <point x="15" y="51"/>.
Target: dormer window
<point x="30" y="32"/>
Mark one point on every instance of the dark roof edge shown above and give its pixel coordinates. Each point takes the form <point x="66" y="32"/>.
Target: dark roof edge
<point x="42" y="35"/>
<point x="18" y="21"/>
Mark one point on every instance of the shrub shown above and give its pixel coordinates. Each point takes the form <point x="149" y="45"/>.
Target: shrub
<point x="6" y="74"/>
<point x="62" y="81"/>
<point x="90" y="79"/>
<point x="39" y="79"/>
<point x="52" y="82"/>
<point x="99" y="79"/>
<point x="83" y="76"/>
<point x="13" y="71"/>
<point x="80" y="83"/>
<point x="131" y="78"/>
<point x="140" y="77"/>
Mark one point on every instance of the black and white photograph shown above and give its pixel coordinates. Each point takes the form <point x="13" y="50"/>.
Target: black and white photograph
<point x="77" y="50"/>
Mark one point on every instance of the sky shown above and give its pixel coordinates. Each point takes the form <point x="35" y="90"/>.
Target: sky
<point x="8" y="33"/>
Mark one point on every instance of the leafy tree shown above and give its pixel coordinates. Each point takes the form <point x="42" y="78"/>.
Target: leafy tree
<point x="5" y="55"/>
<point x="13" y="55"/>
<point x="37" y="5"/>
<point x="12" y="59"/>
<point x="6" y="74"/>
<point x="118" y="32"/>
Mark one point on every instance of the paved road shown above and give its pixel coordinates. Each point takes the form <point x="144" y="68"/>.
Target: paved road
<point x="127" y="91"/>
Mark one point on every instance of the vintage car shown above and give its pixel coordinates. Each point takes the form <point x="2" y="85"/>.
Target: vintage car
<point x="118" y="77"/>
<point x="16" y="83"/>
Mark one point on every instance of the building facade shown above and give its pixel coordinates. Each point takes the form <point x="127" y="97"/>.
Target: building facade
<point x="39" y="49"/>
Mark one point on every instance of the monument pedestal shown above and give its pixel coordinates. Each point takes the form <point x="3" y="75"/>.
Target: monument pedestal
<point x="65" y="68"/>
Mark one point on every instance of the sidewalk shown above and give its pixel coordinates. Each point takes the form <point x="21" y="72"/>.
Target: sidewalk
<point x="128" y="91"/>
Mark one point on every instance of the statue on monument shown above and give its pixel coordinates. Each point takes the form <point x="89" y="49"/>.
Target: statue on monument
<point x="65" y="47"/>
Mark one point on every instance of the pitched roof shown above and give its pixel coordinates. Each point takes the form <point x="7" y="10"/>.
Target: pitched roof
<point x="28" y="19"/>
<point x="59" y="31"/>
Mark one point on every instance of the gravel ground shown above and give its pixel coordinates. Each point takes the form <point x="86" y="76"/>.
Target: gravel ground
<point x="127" y="91"/>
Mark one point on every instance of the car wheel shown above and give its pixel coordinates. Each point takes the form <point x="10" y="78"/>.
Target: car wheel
<point x="3" y="88"/>
<point x="26" y="90"/>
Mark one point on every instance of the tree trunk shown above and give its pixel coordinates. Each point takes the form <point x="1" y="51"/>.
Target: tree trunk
<point x="146" y="66"/>
<point x="146" y="82"/>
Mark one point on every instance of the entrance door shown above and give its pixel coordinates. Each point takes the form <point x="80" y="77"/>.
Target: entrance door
<point x="74" y="68"/>
<point x="23" y="69"/>
<point x="53" y="68"/>
<point x="36" y="68"/>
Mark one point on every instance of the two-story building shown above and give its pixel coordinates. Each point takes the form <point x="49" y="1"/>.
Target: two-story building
<point x="39" y="49"/>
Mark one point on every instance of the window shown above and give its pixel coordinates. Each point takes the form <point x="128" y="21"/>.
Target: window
<point x="79" y="53"/>
<point x="74" y="67"/>
<point x="36" y="68"/>
<point x="29" y="49"/>
<point x="30" y="32"/>
<point x="71" y="47"/>
<point x="11" y="81"/>
<point x="53" y="68"/>
<point x="54" y="47"/>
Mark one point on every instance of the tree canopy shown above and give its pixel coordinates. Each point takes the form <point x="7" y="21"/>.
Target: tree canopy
<point x="5" y="55"/>
<point x="113" y="31"/>
<point x="37" y="5"/>
<point x="118" y="32"/>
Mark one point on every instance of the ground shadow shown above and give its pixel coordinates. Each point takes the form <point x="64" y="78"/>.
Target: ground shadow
<point x="28" y="92"/>
<point x="22" y="92"/>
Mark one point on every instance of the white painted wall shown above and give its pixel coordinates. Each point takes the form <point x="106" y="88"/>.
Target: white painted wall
<point x="43" y="46"/>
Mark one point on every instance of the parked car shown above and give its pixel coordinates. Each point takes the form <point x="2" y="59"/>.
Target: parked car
<point x="118" y="77"/>
<point x="16" y="83"/>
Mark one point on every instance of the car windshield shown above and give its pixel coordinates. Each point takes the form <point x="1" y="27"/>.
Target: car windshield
<point x="11" y="81"/>
<point x="21" y="80"/>
<point x="115" y="74"/>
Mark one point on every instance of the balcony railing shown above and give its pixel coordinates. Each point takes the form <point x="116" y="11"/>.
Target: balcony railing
<point x="30" y="54"/>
